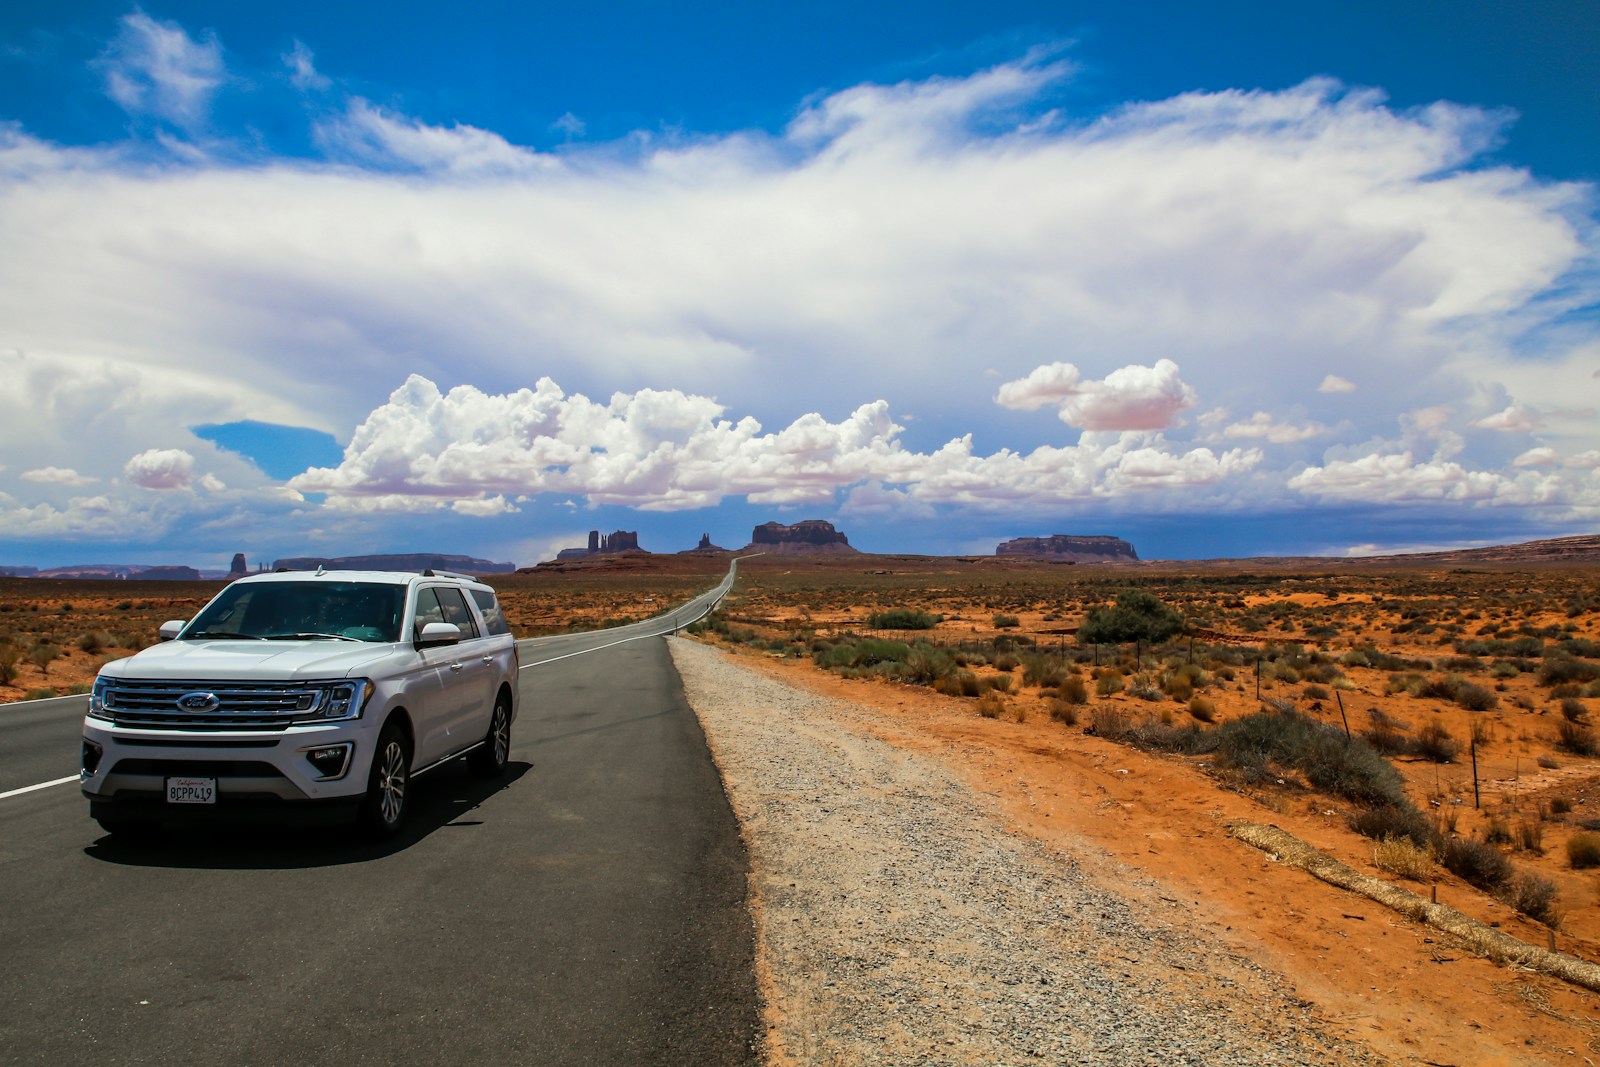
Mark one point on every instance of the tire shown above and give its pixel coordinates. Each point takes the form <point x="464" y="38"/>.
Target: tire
<point x="383" y="811"/>
<point x="488" y="760"/>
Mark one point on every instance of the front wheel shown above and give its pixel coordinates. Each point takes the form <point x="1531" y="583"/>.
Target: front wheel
<point x="489" y="759"/>
<point x="388" y="785"/>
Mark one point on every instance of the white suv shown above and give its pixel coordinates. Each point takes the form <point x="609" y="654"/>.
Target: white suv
<point x="303" y="694"/>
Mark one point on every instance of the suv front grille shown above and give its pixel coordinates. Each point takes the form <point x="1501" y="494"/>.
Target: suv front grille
<point x="239" y="706"/>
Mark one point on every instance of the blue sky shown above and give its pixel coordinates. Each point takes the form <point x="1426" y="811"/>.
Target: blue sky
<point x="1223" y="279"/>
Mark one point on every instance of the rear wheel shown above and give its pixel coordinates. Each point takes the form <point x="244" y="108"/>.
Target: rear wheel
<point x="489" y="759"/>
<point x="388" y="785"/>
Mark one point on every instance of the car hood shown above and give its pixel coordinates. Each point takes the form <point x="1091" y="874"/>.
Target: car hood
<point x="257" y="661"/>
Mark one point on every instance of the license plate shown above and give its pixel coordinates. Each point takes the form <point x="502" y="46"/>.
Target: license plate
<point x="191" y="790"/>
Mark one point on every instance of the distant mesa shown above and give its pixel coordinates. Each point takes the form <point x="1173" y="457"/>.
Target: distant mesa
<point x="122" y="571"/>
<point x="609" y="545"/>
<point x="166" y="574"/>
<point x="238" y="568"/>
<point x="810" y="535"/>
<point x="413" y="561"/>
<point x="1070" y="548"/>
<point x="704" y="546"/>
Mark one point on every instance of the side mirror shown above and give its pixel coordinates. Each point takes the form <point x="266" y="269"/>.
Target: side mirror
<point x="171" y="629"/>
<point x="435" y="634"/>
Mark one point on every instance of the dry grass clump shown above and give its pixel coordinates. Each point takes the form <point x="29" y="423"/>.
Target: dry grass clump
<point x="1577" y="738"/>
<point x="1403" y="857"/>
<point x="1202" y="709"/>
<point x="1583" y="850"/>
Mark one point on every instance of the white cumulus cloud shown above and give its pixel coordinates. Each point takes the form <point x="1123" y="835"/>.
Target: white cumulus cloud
<point x="1129" y="398"/>
<point x="161" y="468"/>
<point x="1335" y="384"/>
<point x="669" y="450"/>
<point x="57" y="476"/>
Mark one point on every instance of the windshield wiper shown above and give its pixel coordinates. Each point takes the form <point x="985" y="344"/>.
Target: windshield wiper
<point x="228" y="635"/>
<point x="309" y="637"/>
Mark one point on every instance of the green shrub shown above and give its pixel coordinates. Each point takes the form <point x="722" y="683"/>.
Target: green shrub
<point x="1574" y="710"/>
<point x="1388" y="822"/>
<point x="1435" y="743"/>
<point x="1331" y="762"/>
<point x="1006" y="622"/>
<point x="1108" y="683"/>
<point x="1043" y="671"/>
<point x="1136" y="616"/>
<point x="1478" y="863"/>
<point x="1576" y="738"/>
<point x="925" y="665"/>
<point x="1534" y="897"/>
<point x="903" y="619"/>
<point x="1564" y="669"/>
<point x="41" y="693"/>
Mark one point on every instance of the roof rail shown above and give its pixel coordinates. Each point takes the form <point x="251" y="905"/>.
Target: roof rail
<point x="431" y="573"/>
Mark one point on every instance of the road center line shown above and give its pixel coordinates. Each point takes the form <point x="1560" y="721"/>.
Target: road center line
<point x="41" y="785"/>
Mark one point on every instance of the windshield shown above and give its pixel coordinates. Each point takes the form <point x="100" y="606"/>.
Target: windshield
<point x="349" y="611"/>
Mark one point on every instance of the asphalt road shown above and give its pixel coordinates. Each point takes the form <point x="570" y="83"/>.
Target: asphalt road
<point x="589" y="908"/>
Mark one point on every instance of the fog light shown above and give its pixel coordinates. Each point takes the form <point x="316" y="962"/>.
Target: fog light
<point x="91" y="756"/>
<point x="330" y="761"/>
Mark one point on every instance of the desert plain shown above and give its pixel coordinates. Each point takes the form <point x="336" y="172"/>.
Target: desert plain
<point x="1479" y="683"/>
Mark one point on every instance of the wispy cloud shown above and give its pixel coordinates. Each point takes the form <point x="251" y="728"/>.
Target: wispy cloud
<point x="155" y="68"/>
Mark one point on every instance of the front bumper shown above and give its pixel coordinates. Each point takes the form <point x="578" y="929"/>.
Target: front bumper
<point x="125" y="770"/>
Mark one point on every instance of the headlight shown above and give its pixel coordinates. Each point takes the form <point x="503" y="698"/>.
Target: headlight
<point x="100" y="701"/>
<point x="342" y="700"/>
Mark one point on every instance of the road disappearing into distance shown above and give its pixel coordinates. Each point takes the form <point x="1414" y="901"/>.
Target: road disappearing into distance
<point x="587" y="908"/>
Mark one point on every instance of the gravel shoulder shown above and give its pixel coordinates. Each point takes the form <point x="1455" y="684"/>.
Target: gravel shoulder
<point x="899" y="920"/>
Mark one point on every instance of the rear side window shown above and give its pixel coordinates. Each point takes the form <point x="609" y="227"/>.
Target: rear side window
<point x="456" y="611"/>
<point x="494" y="620"/>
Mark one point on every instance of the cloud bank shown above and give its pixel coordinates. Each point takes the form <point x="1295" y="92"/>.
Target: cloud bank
<point x="1336" y="279"/>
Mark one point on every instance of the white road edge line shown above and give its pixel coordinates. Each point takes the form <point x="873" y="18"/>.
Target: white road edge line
<point x="41" y="785"/>
<point x="613" y="644"/>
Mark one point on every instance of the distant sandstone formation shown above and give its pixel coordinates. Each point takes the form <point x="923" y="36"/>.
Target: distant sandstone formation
<point x="413" y="561"/>
<point x="1069" y="548"/>
<point x="705" y="545"/>
<point x="811" y="535"/>
<point x="239" y="567"/>
<point x="609" y="544"/>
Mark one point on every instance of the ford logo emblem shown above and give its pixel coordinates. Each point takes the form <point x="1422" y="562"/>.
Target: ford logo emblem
<point x="199" y="702"/>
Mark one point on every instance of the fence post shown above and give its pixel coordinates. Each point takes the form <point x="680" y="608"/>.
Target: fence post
<point x="1340" y="699"/>
<point x="1474" y="747"/>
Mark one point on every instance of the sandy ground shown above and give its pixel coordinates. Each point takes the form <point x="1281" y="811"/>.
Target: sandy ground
<point x="1403" y="990"/>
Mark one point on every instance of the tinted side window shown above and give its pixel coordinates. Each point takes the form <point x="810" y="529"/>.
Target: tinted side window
<point x="456" y="611"/>
<point x="494" y="620"/>
<point x="428" y="610"/>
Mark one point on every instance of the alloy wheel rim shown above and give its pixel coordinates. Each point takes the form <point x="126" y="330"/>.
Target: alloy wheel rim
<point x="392" y="782"/>
<point x="502" y="736"/>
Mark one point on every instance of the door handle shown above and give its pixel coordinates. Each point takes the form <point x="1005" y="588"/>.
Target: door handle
<point x="455" y="666"/>
<point x="488" y="659"/>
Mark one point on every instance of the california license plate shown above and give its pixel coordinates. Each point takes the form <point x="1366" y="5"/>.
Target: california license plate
<point x="191" y="790"/>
